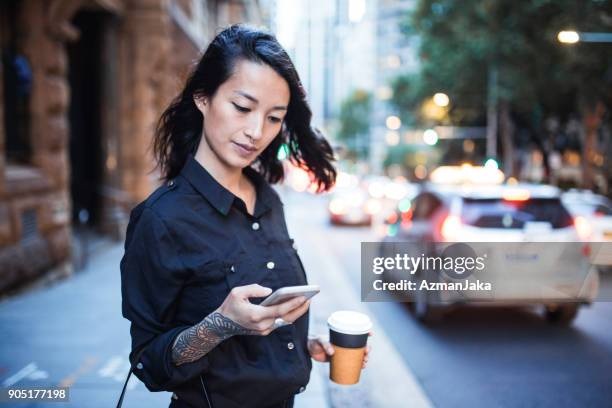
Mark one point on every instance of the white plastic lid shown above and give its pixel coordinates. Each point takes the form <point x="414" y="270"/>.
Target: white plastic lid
<point x="349" y="322"/>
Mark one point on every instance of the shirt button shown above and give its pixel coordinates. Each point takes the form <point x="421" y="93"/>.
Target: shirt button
<point x="290" y="346"/>
<point x="301" y="389"/>
<point x="255" y="226"/>
<point x="270" y="265"/>
<point x="171" y="183"/>
<point x="139" y="366"/>
<point x="232" y="268"/>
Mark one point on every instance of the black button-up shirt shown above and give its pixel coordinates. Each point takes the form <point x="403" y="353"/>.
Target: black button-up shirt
<point x="187" y="245"/>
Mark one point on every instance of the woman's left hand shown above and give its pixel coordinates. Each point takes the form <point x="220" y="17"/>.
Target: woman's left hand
<point x="321" y="349"/>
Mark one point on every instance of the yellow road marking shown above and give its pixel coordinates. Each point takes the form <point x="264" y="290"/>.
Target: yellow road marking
<point x="85" y="366"/>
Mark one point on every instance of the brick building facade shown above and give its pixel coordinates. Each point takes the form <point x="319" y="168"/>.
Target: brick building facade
<point x="83" y="82"/>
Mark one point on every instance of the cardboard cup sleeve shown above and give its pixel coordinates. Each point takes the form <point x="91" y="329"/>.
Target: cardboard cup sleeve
<point x="348" y="332"/>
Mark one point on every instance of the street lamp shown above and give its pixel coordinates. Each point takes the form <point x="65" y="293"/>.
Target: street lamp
<point x="441" y="99"/>
<point x="568" y="37"/>
<point x="572" y="37"/>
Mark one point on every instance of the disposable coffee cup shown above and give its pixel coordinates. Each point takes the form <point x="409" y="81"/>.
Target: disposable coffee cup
<point x="348" y="332"/>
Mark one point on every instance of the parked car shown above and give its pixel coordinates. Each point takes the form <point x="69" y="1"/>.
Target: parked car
<point x="352" y="206"/>
<point x="595" y="214"/>
<point x="596" y="208"/>
<point x="393" y="194"/>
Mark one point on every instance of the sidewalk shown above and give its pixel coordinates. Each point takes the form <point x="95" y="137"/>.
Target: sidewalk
<point x="387" y="381"/>
<point x="94" y="362"/>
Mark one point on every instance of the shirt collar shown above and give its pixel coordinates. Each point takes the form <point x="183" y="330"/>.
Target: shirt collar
<point x="220" y="197"/>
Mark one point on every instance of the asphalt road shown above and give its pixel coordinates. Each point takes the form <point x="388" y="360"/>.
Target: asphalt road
<point x="477" y="357"/>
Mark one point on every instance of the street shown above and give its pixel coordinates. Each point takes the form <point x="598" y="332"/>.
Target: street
<point x="486" y="357"/>
<point x="72" y="334"/>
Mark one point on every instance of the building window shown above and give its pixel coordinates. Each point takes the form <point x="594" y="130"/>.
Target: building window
<point x="17" y="86"/>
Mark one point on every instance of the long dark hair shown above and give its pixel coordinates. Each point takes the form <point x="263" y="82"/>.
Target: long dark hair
<point x="179" y="128"/>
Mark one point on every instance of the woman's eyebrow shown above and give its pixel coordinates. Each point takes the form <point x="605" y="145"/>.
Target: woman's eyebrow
<point x="253" y="99"/>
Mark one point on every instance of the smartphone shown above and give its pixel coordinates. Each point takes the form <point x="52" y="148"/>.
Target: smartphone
<point x="288" y="292"/>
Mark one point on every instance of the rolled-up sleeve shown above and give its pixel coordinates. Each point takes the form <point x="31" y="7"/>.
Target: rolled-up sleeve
<point x="152" y="277"/>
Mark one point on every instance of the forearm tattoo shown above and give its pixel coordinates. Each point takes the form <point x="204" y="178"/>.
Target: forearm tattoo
<point x="196" y="341"/>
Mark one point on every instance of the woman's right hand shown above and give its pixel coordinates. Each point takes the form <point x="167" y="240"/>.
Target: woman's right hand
<point x="256" y="319"/>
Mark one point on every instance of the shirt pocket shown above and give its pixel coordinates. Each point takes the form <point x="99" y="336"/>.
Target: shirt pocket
<point x="293" y="273"/>
<point x="206" y="289"/>
<point x="245" y="269"/>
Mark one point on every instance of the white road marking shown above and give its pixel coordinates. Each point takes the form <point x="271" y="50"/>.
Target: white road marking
<point x="117" y="368"/>
<point x="38" y="375"/>
<point x="111" y="367"/>
<point x="30" y="371"/>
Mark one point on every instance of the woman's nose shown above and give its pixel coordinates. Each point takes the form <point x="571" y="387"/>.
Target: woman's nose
<point x="255" y="129"/>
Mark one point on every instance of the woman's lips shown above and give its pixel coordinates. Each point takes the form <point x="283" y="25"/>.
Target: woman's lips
<point x="244" y="150"/>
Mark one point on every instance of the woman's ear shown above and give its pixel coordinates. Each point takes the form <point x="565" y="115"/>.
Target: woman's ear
<point x="200" y="103"/>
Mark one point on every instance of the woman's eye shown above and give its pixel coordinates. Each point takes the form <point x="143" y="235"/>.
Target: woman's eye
<point x="274" y="119"/>
<point x="240" y="108"/>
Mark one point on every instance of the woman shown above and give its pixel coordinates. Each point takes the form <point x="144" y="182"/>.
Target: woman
<point x="204" y="249"/>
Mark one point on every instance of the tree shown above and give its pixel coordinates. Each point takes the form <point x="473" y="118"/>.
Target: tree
<point x="500" y="59"/>
<point x="355" y="123"/>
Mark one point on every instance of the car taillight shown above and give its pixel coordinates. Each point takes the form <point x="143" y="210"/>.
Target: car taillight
<point x="407" y="219"/>
<point x="583" y="228"/>
<point x="391" y="218"/>
<point x="450" y="228"/>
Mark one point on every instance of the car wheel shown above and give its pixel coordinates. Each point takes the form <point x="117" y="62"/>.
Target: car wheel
<point x="562" y="314"/>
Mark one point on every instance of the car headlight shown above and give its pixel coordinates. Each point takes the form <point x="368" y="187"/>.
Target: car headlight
<point x="337" y="206"/>
<point x="372" y="206"/>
